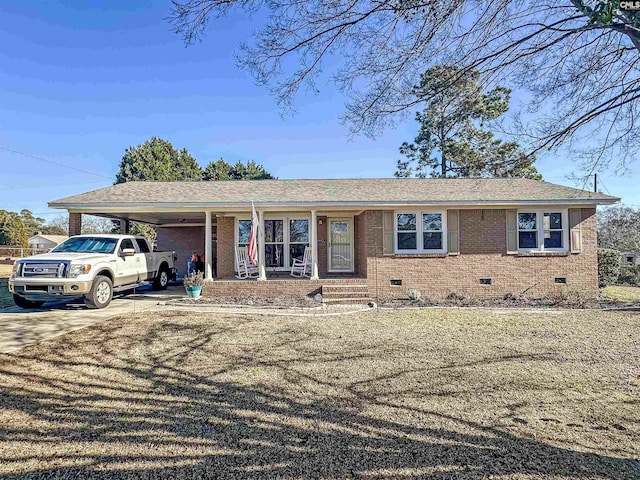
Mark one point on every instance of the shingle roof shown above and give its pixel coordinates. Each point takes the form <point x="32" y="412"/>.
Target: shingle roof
<point x="354" y="191"/>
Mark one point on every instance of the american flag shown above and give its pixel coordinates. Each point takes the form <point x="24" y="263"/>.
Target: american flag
<point x="252" y="248"/>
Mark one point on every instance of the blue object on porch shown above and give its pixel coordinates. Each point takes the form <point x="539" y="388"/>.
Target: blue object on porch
<point x="190" y="266"/>
<point x="193" y="292"/>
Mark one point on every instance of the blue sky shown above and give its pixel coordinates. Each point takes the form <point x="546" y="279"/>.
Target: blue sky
<point x="80" y="81"/>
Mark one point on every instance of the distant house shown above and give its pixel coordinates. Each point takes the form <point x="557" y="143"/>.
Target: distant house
<point x="42" y="241"/>
<point x="369" y="237"/>
<point x="630" y="259"/>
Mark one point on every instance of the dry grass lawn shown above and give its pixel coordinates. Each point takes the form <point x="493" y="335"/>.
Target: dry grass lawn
<point x="437" y="393"/>
<point x="5" y="270"/>
<point x="622" y="293"/>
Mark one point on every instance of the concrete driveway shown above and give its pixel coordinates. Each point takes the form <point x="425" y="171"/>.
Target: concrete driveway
<point x="19" y="327"/>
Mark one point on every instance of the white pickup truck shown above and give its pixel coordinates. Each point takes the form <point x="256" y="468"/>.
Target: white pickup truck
<point x="92" y="267"/>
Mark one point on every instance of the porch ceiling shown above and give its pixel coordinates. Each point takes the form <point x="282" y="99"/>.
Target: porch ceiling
<point x="157" y="218"/>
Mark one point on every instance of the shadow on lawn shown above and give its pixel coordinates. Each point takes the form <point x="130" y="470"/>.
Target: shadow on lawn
<point x="175" y="423"/>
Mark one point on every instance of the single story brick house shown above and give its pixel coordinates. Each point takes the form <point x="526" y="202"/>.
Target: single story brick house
<point x="369" y="237"/>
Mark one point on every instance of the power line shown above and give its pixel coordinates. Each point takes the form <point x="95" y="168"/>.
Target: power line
<point x="53" y="163"/>
<point x="27" y="187"/>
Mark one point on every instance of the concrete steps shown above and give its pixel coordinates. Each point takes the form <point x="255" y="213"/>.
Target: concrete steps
<point x="335" y="294"/>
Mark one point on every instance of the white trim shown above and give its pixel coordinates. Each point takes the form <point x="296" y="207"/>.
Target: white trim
<point x="351" y="222"/>
<point x="313" y="225"/>
<point x="540" y="229"/>
<point x="198" y="206"/>
<point x="419" y="232"/>
<point x="176" y="225"/>
<point x="208" y="250"/>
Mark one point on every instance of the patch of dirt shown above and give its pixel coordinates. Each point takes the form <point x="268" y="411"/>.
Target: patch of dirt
<point x="515" y="300"/>
<point x="274" y="302"/>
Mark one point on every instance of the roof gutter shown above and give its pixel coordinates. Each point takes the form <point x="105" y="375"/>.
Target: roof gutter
<point x="247" y="205"/>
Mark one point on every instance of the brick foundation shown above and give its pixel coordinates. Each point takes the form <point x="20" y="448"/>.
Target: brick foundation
<point x="271" y="288"/>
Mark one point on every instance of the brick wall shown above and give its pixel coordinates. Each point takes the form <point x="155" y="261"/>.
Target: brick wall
<point x="483" y="255"/>
<point x="75" y="224"/>
<point x="483" y="231"/>
<point x="226" y="252"/>
<point x="270" y="288"/>
<point x="322" y="246"/>
<point x="184" y="241"/>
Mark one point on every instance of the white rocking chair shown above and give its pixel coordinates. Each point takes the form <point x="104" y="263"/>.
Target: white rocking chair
<point x="244" y="268"/>
<point x="302" y="268"/>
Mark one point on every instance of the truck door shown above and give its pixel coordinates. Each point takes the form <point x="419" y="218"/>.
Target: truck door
<point x="127" y="268"/>
<point x="148" y="266"/>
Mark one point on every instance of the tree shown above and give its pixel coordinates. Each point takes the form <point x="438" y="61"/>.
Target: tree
<point x="577" y="58"/>
<point x="156" y="159"/>
<point x="31" y="223"/>
<point x="90" y="224"/>
<point x="60" y="223"/>
<point x="218" y="170"/>
<point x="452" y="140"/>
<point x="13" y="230"/>
<point x="619" y="228"/>
<point x="54" y="230"/>
<point x="221" y="170"/>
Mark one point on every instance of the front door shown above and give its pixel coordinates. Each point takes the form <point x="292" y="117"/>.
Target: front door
<point x="340" y="253"/>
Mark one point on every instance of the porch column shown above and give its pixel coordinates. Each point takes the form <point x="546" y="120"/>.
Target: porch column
<point x="124" y="226"/>
<point x="262" y="271"/>
<point x="208" y="275"/>
<point x="75" y="223"/>
<point x="314" y="245"/>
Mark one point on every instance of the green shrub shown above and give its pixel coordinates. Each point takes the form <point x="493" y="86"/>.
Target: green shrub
<point x="630" y="275"/>
<point x="608" y="266"/>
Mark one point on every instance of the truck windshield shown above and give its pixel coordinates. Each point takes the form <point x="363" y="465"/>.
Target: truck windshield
<point x="87" y="245"/>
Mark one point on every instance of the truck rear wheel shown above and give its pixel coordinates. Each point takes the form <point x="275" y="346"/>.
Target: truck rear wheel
<point x="24" y="303"/>
<point x="101" y="293"/>
<point x="162" y="279"/>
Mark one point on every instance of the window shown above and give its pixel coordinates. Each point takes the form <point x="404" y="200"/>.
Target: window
<point x="543" y="230"/>
<point x="432" y="231"/>
<point x="407" y="231"/>
<point x="284" y="240"/>
<point x="87" y="245"/>
<point x="274" y="243"/>
<point x="528" y="230"/>
<point x="142" y="245"/>
<point x="126" y="243"/>
<point x="552" y="223"/>
<point x="244" y="230"/>
<point x="420" y="232"/>
<point x="298" y="238"/>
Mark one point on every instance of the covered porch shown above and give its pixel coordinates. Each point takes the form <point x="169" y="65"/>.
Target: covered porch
<point x="331" y="236"/>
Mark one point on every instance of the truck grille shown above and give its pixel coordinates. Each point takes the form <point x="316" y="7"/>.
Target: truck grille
<point x="43" y="270"/>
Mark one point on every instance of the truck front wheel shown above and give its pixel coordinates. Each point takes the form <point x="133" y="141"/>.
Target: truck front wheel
<point x="24" y="303"/>
<point x="100" y="294"/>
